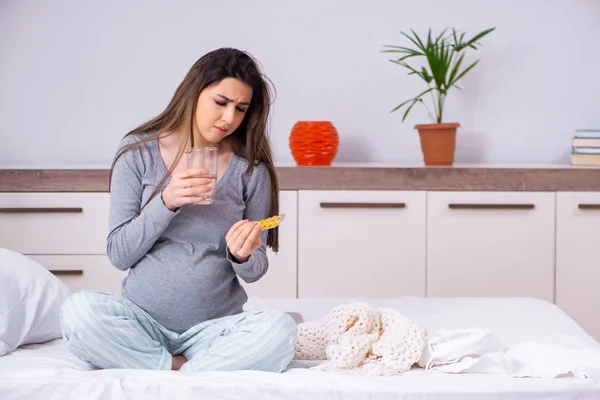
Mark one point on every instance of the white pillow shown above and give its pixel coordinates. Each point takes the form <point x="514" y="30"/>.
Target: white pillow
<point x="30" y="300"/>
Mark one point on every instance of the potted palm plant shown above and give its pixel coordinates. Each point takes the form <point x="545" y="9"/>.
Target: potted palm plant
<point x="442" y="68"/>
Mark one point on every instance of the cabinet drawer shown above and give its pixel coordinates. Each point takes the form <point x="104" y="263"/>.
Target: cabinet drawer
<point x="84" y="272"/>
<point x="577" y="255"/>
<point x="491" y="244"/>
<point x="361" y="244"/>
<point x="54" y="223"/>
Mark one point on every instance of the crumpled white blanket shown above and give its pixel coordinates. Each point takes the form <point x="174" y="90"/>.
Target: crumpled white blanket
<point x="480" y="351"/>
<point x="356" y="337"/>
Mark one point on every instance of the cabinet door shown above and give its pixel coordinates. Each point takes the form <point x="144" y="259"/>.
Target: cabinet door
<point x="361" y="244"/>
<point x="54" y="223"/>
<point x="280" y="279"/>
<point x="94" y="272"/>
<point x="578" y="258"/>
<point x="490" y="244"/>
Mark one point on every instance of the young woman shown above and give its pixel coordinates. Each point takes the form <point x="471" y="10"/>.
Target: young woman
<point x="181" y="306"/>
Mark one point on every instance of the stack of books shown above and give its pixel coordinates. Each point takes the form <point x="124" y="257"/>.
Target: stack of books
<point x="586" y="147"/>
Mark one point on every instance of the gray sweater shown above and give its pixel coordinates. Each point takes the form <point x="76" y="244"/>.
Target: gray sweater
<point x="180" y="270"/>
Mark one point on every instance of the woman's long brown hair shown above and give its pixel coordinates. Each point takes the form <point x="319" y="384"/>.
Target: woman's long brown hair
<point x="249" y="141"/>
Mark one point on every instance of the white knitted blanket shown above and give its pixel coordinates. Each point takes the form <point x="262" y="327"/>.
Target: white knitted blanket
<point x="356" y="337"/>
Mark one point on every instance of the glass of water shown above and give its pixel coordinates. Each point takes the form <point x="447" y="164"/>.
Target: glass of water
<point x="204" y="158"/>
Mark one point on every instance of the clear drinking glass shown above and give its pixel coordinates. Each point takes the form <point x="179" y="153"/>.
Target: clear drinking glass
<point x="204" y="158"/>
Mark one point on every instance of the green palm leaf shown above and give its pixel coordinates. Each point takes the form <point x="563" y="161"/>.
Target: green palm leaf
<point x="443" y="56"/>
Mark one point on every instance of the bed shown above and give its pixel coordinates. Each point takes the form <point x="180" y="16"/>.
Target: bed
<point x="47" y="371"/>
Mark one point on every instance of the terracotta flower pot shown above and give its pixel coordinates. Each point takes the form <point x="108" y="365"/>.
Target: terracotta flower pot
<point x="438" y="142"/>
<point x="314" y="143"/>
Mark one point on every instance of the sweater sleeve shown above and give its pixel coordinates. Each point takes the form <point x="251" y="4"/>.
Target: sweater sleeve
<point x="257" y="197"/>
<point x="132" y="230"/>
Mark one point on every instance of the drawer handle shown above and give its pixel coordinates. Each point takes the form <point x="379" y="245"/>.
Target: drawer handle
<point x="363" y="205"/>
<point x="455" y="206"/>
<point x="64" y="272"/>
<point x="589" y="206"/>
<point x="39" y="210"/>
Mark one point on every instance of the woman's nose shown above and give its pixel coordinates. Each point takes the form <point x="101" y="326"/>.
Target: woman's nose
<point x="228" y="115"/>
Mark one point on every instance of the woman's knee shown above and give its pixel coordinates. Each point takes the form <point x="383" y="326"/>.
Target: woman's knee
<point x="284" y="328"/>
<point x="284" y="321"/>
<point x="282" y="340"/>
<point x="81" y="311"/>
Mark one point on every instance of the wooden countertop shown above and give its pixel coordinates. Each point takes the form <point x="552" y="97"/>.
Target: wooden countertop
<point x="464" y="178"/>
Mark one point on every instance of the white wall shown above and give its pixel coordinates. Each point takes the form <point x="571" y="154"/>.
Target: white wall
<point x="75" y="76"/>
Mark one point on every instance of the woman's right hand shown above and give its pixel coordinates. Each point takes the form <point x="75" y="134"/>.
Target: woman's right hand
<point x="186" y="188"/>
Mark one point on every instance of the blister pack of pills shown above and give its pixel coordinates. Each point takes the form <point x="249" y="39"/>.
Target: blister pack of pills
<point x="271" y="222"/>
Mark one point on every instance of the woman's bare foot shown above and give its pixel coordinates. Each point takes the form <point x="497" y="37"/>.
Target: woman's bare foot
<point x="178" y="361"/>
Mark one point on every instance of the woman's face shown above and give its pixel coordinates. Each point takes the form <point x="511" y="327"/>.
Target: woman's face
<point x="221" y="109"/>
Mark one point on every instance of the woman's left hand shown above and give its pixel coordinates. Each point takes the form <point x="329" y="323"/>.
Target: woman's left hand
<point x="243" y="238"/>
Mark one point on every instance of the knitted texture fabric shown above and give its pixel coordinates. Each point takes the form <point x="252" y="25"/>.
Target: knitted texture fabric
<point x="358" y="337"/>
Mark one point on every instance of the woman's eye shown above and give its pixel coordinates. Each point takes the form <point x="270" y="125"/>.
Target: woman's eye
<point x="224" y="103"/>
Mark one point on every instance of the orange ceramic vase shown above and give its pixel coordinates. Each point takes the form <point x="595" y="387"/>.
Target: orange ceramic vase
<point x="314" y="143"/>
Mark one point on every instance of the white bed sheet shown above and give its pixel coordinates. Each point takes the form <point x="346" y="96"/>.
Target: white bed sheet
<point x="48" y="371"/>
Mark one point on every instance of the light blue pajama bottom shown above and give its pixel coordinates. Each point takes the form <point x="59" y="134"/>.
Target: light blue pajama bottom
<point x="109" y="331"/>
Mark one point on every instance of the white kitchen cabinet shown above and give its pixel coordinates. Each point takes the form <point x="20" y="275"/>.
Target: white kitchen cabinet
<point x="578" y="258"/>
<point x="490" y="244"/>
<point x="280" y="279"/>
<point x="361" y="244"/>
<point x="84" y="272"/>
<point x="65" y="233"/>
<point x="54" y="223"/>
